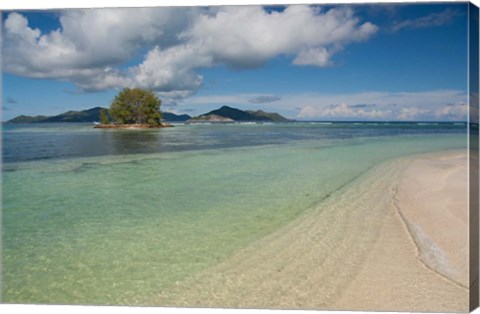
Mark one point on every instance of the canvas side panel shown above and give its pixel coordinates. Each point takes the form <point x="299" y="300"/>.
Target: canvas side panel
<point x="474" y="161"/>
<point x="1" y="148"/>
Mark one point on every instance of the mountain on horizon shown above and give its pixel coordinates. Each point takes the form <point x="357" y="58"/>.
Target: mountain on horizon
<point x="172" y="117"/>
<point x="235" y="114"/>
<point x="89" y="115"/>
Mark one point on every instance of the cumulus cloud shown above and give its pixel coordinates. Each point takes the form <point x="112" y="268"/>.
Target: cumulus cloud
<point x="342" y="111"/>
<point x="247" y="37"/>
<point x="264" y="99"/>
<point x="90" y="44"/>
<point x="170" y="70"/>
<point x="452" y="112"/>
<point x="411" y="113"/>
<point x="448" y="105"/>
<point x="92" y="47"/>
<point x="313" y="56"/>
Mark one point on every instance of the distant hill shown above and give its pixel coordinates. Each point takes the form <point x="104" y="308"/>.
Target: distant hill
<point x="268" y="116"/>
<point x="89" y="115"/>
<point x="27" y="119"/>
<point x="171" y="117"/>
<point x="239" y="115"/>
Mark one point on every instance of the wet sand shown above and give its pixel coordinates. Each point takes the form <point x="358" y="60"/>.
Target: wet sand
<point x="393" y="239"/>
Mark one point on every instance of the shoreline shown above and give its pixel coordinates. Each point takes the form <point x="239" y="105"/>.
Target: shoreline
<point x="353" y="251"/>
<point x="433" y="280"/>
<point x="444" y="249"/>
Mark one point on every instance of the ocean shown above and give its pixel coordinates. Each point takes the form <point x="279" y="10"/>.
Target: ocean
<point x="93" y="216"/>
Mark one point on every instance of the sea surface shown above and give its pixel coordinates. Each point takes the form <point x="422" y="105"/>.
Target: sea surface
<point x="97" y="216"/>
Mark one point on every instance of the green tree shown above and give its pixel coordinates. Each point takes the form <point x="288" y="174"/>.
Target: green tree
<point x="136" y="106"/>
<point x="104" y="116"/>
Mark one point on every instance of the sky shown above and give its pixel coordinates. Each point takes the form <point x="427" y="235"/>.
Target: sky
<point x="389" y="62"/>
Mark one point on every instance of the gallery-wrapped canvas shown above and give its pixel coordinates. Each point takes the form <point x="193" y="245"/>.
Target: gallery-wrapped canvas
<point x="305" y="156"/>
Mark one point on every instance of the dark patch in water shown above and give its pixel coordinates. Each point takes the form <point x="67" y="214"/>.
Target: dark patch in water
<point x="9" y="168"/>
<point x="86" y="166"/>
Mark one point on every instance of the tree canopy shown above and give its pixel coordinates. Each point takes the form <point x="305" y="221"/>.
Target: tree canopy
<point x="136" y="106"/>
<point x="104" y="116"/>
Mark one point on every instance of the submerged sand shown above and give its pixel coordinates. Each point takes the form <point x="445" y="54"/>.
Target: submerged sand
<point x="394" y="239"/>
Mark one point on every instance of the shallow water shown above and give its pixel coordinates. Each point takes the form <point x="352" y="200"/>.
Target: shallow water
<point x="105" y="217"/>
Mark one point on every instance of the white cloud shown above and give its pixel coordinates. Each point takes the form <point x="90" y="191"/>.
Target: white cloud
<point x="426" y="105"/>
<point x="342" y="111"/>
<point x="92" y="47"/>
<point x="309" y="112"/>
<point x="404" y="106"/>
<point x="171" y="69"/>
<point x="246" y="37"/>
<point x="411" y="113"/>
<point x="313" y="56"/>
<point x="90" y="44"/>
<point x="457" y="111"/>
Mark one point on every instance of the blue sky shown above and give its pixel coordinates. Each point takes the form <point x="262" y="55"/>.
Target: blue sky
<point x="333" y="62"/>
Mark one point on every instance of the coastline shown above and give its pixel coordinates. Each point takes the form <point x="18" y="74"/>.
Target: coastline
<point x="420" y="262"/>
<point x="433" y="215"/>
<point x="375" y="244"/>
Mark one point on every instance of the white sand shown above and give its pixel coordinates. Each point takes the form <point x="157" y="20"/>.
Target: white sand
<point x="394" y="239"/>
<point x="432" y="274"/>
<point x="434" y="206"/>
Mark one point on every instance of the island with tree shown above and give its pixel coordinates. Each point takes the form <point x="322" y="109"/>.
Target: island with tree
<point x="133" y="108"/>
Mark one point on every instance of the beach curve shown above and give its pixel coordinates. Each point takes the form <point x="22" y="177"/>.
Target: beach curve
<point x="352" y="251"/>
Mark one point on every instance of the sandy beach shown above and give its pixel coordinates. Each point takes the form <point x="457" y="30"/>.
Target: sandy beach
<point x="393" y="239"/>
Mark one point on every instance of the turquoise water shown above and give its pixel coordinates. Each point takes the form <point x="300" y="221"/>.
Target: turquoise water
<point x="121" y="223"/>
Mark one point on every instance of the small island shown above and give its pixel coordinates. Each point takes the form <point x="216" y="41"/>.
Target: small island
<point x="133" y="109"/>
<point x="132" y="126"/>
